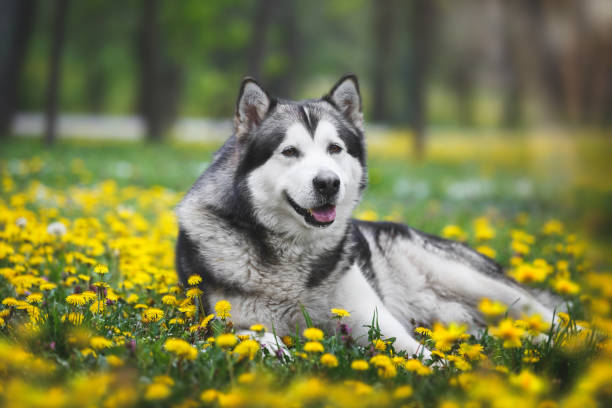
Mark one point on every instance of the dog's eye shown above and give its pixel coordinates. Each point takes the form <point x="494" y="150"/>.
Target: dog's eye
<point x="334" y="148"/>
<point x="290" y="152"/>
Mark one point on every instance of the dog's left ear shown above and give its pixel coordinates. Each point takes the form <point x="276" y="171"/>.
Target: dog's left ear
<point x="346" y="97"/>
<point x="251" y="108"/>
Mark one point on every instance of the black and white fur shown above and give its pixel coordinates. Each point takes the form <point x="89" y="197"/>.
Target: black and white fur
<point x="249" y="227"/>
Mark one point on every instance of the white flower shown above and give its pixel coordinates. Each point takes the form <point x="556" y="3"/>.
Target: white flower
<point x="21" y="222"/>
<point x="56" y="228"/>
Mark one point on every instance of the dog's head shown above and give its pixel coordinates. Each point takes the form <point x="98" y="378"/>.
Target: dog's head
<point x="303" y="163"/>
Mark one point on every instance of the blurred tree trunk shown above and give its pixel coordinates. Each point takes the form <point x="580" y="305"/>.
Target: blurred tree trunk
<point x="149" y="70"/>
<point x="512" y="113"/>
<point x="291" y="46"/>
<point x="16" y="26"/>
<point x="422" y="17"/>
<point x="383" y="25"/>
<point x="160" y="79"/>
<point x="259" y="33"/>
<point x="54" y="82"/>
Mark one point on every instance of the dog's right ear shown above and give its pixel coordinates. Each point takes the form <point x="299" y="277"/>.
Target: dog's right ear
<point x="252" y="106"/>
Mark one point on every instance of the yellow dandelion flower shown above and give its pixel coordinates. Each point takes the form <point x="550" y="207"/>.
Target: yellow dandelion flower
<point x="89" y="296"/>
<point x="402" y="392"/>
<point x="368" y="215"/>
<point x="97" y="306"/>
<point x="487" y="251"/>
<point x="99" y="343"/>
<point x="132" y="298"/>
<point x="520" y="247"/>
<point x="164" y="379"/>
<point x="423" y="331"/>
<point x="508" y="331"/>
<point x="313" y="347"/>
<point x="258" y="328"/>
<point x="157" y="391"/>
<point x="529" y="273"/>
<point x="223" y="308"/>
<point x="141" y="306"/>
<point x="384" y="365"/>
<point x="152" y="315"/>
<point x="492" y="308"/>
<point x="247" y="348"/>
<point x="206" y="320"/>
<point x="35" y="298"/>
<point x="459" y="362"/>
<point x="313" y="334"/>
<point x="169" y="300"/>
<point x="416" y="366"/>
<point x="86" y="352"/>
<point x="566" y="286"/>
<point x="329" y="360"/>
<point x="246" y="378"/>
<point x="340" y="313"/>
<point x="10" y="301"/>
<point x="74" y="318"/>
<point x="181" y="349"/>
<point x="101" y="269"/>
<point x="379" y="344"/>
<point x="471" y="351"/>
<point x="454" y="232"/>
<point x="446" y="337"/>
<point x="553" y="227"/>
<point x="75" y="299"/>
<point x="176" y="320"/>
<point x="114" y="361"/>
<point x="47" y="286"/>
<point x="194" y="280"/>
<point x="193" y="293"/>
<point x="528" y="382"/>
<point x="565" y="319"/>
<point x="209" y="396"/>
<point x="227" y="340"/>
<point x="483" y="229"/>
<point x="360" y="365"/>
<point x="288" y="340"/>
<point x="534" y="324"/>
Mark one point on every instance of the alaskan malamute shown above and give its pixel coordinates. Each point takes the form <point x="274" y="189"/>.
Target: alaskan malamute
<point x="268" y="227"/>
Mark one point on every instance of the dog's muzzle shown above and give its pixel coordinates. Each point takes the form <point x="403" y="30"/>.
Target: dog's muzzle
<point x="321" y="216"/>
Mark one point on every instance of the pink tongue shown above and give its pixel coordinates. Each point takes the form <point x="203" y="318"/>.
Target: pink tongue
<point x="324" y="214"/>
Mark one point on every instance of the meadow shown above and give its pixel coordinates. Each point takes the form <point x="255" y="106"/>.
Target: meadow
<point x="92" y="314"/>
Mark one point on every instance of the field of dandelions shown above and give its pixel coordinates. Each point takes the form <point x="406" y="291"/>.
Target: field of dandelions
<point x="91" y="313"/>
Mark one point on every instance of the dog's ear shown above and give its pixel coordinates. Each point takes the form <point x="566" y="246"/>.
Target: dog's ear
<point x="346" y="97"/>
<point x="251" y="108"/>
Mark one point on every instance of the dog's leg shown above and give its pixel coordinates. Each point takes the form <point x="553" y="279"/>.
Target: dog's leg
<point x="358" y="297"/>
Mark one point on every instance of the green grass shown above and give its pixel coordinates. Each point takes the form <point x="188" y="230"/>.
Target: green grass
<point x="127" y="224"/>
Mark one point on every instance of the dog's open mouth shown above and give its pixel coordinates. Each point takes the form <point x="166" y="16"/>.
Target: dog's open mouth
<point x="318" y="216"/>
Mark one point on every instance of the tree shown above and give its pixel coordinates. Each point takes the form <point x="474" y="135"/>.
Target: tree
<point x="160" y="79"/>
<point x="383" y="14"/>
<point x="422" y="17"/>
<point x="54" y="81"/>
<point x="259" y="33"/>
<point x="14" y="40"/>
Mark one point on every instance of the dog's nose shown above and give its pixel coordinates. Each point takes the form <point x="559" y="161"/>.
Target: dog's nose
<point x="326" y="183"/>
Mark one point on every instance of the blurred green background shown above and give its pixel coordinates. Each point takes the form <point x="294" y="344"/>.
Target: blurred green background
<point x="474" y="107"/>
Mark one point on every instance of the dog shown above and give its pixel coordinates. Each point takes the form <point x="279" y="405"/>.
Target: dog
<point x="268" y="227"/>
